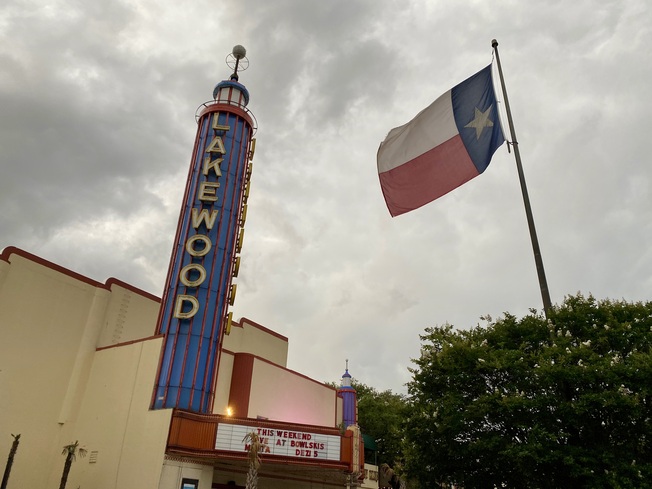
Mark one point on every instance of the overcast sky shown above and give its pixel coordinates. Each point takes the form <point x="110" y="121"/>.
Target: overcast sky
<point x="98" y="100"/>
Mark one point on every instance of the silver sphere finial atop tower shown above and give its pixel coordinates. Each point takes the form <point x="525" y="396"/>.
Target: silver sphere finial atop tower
<point x="237" y="60"/>
<point x="239" y="52"/>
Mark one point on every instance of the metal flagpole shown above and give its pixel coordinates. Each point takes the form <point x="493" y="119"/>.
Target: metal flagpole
<point x="543" y="283"/>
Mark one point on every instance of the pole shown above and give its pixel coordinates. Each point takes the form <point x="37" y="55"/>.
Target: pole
<point x="543" y="283"/>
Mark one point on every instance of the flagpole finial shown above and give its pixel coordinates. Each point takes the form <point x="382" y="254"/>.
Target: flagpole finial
<point x="494" y="43"/>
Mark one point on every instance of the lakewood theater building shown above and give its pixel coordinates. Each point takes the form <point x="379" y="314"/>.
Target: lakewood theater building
<point x="162" y="393"/>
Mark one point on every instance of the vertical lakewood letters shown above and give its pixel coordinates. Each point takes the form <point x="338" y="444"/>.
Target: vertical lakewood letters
<point x="193" y="275"/>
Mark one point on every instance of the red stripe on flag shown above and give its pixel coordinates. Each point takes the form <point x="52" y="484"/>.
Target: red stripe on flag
<point x="427" y="177"/>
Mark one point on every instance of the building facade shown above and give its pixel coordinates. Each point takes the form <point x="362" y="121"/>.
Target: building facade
<point x="78" y="361"/>
<point x="163" y="393"/>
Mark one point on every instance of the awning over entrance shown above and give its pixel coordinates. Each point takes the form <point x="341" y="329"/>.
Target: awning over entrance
<point x="291" y="451"/>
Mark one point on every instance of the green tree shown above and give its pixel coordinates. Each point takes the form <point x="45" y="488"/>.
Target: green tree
<point x="380" y="415"/>
<point x="536" y="403"/>
<point x="389" y="478"/>
<point x="70" y="451"/>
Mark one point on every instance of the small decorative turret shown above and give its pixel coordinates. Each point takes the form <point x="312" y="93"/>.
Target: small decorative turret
<point x="349" y="399"/>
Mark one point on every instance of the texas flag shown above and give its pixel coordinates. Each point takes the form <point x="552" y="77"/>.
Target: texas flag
<point x="444" y="146"/>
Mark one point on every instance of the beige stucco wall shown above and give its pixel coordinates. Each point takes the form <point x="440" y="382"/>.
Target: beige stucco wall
<point x="247" y="337"/>
<point x="371" y="477"/>
<point x="283" y="395"/>
<point x="129" y="316"/>
<point x="174" y="472"/>
<point x="49" y="324"/>
<point x="223" y="384"/>
<point x="115" y="420"/>
<point x="56" y="388"/>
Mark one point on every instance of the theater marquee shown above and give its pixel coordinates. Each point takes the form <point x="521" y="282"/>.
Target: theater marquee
<point x="297" y="444"/>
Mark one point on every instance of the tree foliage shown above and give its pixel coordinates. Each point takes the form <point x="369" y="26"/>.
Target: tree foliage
<point x="536" y="403"/>
<point x="380" y="415"/>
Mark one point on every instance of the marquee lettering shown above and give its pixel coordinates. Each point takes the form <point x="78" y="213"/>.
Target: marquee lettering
<point x="216" y="146"/>
<point x="203" y="215"/>
<point x="279" y="442"/>
<point x="199" y="245"/>
<point x="212" y="165"/>
<point x="217" y="126"/>
<point x="207" y="191"/>
<point x="184" y="275"/>
<point x="179" y="306"/>
<point x="190" y="245"/>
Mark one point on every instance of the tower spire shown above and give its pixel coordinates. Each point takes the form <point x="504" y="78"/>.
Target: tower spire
<point x="349" y="399"/>
<point x="238" y="53"/>
<point x="199" y="288"/>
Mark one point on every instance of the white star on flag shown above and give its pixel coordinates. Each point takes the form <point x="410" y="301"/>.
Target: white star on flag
<point x="481" y="121"/>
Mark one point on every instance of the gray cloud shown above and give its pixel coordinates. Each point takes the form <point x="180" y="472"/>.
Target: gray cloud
<point x="97" y="126"/>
